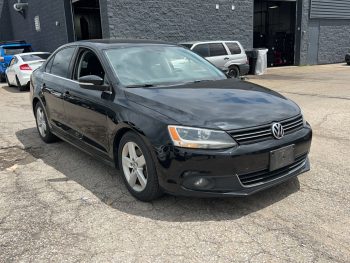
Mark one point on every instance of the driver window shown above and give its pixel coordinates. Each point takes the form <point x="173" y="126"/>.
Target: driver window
<point x="88" y="64"/>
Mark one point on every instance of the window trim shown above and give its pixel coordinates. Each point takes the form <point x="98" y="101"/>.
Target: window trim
<point x="75" y="62"/>
<point x="222" y="44"/>
<point x="234" y="42"/>
<point x="53" y="56"/>
<point x="198" y="44"/>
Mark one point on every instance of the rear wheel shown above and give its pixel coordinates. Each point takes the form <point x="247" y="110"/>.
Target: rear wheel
<point x="20" y="87"/>
<point x="233" y="72"/>
<point x="43" y="125"/>
<point x="137" y="167"/>
<point x="8" y="83"/>
<point x="348" y="63"/>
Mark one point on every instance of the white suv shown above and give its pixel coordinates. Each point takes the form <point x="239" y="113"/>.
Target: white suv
<point x="229" y="56"/>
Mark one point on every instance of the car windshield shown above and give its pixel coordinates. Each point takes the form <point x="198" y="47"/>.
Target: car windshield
<point x="160" y="65"/>
<point x="33" y="57"/>
<point x="16" y="50"/>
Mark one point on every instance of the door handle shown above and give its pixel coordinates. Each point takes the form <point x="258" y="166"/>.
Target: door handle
<point x="226" y="58"/>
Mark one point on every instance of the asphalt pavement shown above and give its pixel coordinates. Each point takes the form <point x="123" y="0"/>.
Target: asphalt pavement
<point x="58" y="204"/>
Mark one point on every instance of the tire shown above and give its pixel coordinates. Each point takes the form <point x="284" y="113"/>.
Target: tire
<point x="8" y="83"/>
<point x="43" y="125"/>
<point x="234" y="72"/>
<point x="2" y="78"/>
<point x="20" y="87"/>
<point x="348" y="63"/>
<point x="137" y="167"/>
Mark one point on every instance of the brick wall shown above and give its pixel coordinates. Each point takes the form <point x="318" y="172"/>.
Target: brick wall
<point x="50" y="36"/>
<point x="181" y="20"/>
<point x="5" y="21"/>
<point x="334" y="41"/>
<point x="334" y="38"/>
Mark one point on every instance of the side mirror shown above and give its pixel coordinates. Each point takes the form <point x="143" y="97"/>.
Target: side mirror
<point x="2" y="59"/>
<point x="92" y="82"/>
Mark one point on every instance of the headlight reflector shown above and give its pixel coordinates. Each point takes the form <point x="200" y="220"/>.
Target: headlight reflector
<point x="197" y="138"/>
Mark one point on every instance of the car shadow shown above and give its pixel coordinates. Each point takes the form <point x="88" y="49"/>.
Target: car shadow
<point x="13" y="89"/>
<point x="106" y="184"/>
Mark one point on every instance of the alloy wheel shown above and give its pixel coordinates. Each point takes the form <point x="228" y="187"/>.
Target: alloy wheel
<point x="134" y="166"/>
<point x="40" y="119"/>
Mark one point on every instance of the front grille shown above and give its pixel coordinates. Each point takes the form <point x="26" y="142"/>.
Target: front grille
<point x="261" y="133"/>
<point x="265" y="176"/>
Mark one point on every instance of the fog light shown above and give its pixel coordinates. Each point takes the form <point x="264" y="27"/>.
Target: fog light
<point x="201" y="183"/>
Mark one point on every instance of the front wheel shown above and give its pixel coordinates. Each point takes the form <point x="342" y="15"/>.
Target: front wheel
<point x="8" y="82"/>
<point x="43" y="125"/>
<point x="137" y="167"/>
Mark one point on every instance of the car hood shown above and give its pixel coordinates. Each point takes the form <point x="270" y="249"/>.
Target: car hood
<point x="225" y="104"/>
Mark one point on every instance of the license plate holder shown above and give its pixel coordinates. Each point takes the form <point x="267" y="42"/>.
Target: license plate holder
<point x="282" y="157"/>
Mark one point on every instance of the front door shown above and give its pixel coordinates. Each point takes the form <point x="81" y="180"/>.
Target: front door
<point x="86" y="110"/>
<point x="218" y="55"/>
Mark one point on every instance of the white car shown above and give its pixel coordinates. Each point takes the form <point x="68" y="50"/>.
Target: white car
<point x="229" y="56"/>
<point x="21" y="67"/>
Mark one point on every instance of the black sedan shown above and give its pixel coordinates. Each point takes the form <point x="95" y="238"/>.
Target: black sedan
<point x="168" y="119"/>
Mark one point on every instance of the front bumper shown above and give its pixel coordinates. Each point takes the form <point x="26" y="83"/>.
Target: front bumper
<point x="225" y="172"/>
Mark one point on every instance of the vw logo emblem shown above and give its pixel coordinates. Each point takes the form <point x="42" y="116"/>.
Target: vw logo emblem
<point x="277" y="130"/>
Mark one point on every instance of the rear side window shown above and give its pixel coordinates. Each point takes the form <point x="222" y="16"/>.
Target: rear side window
<point x="202" y="50"/>
<point x="217" y="49"/>
<point x="234" y="48"/>
<point x="187" y="45"/>
<point x="34" y="57"/>
<point x="61" y="61"/>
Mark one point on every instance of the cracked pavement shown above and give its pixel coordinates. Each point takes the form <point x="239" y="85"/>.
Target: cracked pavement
<point x="58" y="204"/>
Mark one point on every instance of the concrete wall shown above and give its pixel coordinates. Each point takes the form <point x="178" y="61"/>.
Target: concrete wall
<point x="181" y="20"/>
<point x="5" y="22"/>
<point x="50" y="36"/>
<point x="333" y="38"/>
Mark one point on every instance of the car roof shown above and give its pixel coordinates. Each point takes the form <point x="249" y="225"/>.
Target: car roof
<point x="208" y="42"/>
<point x="106" y="43"/>
<point x="32" y="53"/>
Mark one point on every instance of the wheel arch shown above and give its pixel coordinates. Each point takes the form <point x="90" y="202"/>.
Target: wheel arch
<point x="119" y="135"/>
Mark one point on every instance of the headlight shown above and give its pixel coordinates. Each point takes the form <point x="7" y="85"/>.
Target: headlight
<point x="198" y="138"/>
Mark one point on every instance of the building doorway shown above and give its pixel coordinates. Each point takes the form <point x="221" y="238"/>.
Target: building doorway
<point x="275" y="29"/>
<point x="87" y="19"/>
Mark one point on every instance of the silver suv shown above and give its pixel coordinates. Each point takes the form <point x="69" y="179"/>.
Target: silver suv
<point x="229" y="56"/>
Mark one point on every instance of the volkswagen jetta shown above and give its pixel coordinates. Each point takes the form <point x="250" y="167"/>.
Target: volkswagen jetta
<point x="168" y="119"/>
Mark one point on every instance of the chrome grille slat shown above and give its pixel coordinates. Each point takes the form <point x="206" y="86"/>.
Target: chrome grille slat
<point x="260" y="133"/>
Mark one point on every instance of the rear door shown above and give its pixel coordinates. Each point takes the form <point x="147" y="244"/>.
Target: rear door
<point x="55" y="81"/>
<point x="86" y="110"/>
<point x="218" y="55"/>
<point x="237" y="54"/>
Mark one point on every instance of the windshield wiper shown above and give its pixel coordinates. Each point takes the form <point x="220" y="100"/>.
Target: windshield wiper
<point x="141" y="86"/>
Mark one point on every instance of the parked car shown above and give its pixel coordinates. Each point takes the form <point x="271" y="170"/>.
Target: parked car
<point x="347" y="58"/>
<point x="186" y="129"/>
<point x="7" y="50"/>
<point x="229" y="56"/>
<point x="22" y="66"/>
